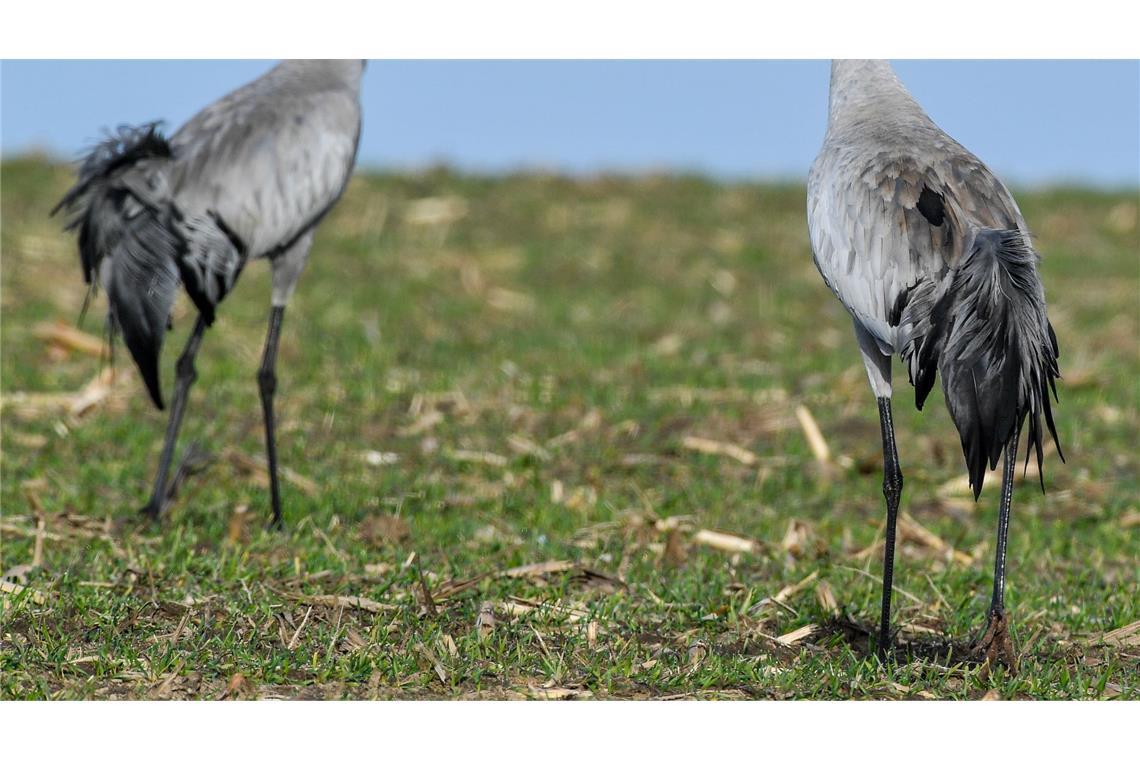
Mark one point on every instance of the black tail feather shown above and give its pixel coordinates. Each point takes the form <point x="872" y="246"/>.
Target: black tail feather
<point x="986" y="332"/>
<point x="124" y="217"/>
<point x="142" y="287"/>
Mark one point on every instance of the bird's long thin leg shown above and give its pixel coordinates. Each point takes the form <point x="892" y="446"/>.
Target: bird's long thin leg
<point x="185" y="375"/>
<point x="996" y="645"/>
<point x="267" y="385"/>
<point x="892" y="491"/>
<point x="997" y="603"/>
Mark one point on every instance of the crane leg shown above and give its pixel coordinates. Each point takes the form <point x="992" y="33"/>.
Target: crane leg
<point x="892" y="492"/>
<point x="995" y="643"/>
<point x="267" y="385"/>
<point x="997" y="603"/>
<point x="185" y="375"/>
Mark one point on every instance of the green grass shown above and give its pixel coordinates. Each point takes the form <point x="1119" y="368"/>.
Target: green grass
<point x="579" y="330"/>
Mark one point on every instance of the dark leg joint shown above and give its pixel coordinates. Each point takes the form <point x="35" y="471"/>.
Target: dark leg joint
<point x="892" y="487"/>
<point x="266" y="382"/>
<point x="184" y="370"/>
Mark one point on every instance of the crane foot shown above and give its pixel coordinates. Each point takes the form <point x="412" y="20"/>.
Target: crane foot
<point x="996" y="644"/>
<point x="152" y="510"/>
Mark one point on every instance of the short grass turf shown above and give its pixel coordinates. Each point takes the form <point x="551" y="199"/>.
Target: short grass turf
<point x="509" y="407"/>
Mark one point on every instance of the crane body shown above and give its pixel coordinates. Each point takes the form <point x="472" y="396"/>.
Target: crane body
<point x="248" y="177"/>
<point x="930" y="255"/>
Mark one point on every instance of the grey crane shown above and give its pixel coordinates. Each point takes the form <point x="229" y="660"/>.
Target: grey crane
<point x="929" y="253"/>
<point x="248" y="177"/>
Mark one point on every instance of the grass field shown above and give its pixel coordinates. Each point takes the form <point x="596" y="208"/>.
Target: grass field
<point x="546" y="441"/>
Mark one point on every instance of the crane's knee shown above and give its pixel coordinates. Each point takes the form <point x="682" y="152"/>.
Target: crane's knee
<point x="892" y="485"/>
<point x="267" y="383"/>
<point x="184" y="369"/>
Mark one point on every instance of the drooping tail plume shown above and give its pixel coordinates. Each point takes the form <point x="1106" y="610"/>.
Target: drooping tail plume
<point x="129" y="239"/>
<point x="985" y="330"/>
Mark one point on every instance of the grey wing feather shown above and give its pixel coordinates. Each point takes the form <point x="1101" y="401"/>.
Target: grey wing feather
<point x="269" y="160"/>
<point x="873" y="230"/>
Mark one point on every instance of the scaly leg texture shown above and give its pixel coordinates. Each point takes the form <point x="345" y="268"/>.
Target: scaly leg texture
<point x="892" y="492"/>
<point x="267" y="385"/>
<point x="185" y="376"/>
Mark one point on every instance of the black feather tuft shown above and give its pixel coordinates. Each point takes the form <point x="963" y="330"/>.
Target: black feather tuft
<point x="995" y="349"/>
<point x="894" y="319"/>
<point x="932" y="206"/>
<point x="121" y="207"/>
<point x="141" y="290"/>
<point x="925" y="319"/>
<point x="99" y="193"/>
<point x="213" y="259"/>
<point x="127" y="146"/>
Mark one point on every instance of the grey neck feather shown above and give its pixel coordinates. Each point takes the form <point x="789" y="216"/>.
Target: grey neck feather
<point x="328" y="73"/>
<point x="862" y="89"/>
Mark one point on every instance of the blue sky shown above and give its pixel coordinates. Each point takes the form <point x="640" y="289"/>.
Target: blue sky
<point x="1034" y="122"/>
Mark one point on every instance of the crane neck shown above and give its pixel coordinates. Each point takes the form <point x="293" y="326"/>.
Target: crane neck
<point x="332" y="72"/>
<point x="867" y="90"/>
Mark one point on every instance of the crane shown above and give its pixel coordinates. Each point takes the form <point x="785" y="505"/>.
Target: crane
<point x="928" y="252"/>
<point x="248" y="177"/>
